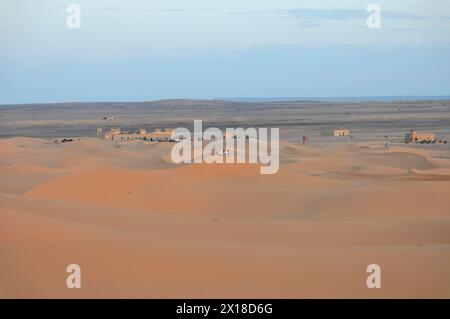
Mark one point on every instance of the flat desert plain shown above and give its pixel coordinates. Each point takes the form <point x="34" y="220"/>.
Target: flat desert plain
<point x="141" y="226"/>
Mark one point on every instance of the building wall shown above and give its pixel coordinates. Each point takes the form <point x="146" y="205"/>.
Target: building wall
<point x="127" y="137"/>
<point x="117" y="135"/>
<point x="415" y="136"/>
<point x="341" y="132"/>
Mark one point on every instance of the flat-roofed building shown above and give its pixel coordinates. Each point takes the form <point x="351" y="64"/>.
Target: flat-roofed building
<point x="112" y="132"/>
<point x="341" y="132"/>
<point x="418" y="137"/>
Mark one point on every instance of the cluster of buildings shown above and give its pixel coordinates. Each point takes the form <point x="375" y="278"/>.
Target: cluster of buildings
<point x="410" y="137"/>
<point x="166" y="135"/>
<point x="158" y="135"/>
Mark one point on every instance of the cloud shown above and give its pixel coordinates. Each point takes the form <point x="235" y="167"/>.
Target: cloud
<point x="310" y="18"/>
<point x="324" y="14"/>
<point x="112" y="8"/>
<point x="346" y="14"/>
<point x="251" y="12"/>
<point x="400" y="15"/>
<point x="408" y="29"/>
<point x="178" y="10"/>
<point x="166" y="10"/>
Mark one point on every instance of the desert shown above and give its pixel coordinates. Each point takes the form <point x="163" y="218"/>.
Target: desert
<point x="141" y="226"/>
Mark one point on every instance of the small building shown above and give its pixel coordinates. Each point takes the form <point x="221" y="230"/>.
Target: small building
<point x="418" y="137"/>
<point x="100" y="133"/>
<point x="341" y="132"/>
<point x="112" y="132"/>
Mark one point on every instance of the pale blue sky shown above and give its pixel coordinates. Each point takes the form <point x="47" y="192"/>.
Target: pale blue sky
<point x="133" y="50"/>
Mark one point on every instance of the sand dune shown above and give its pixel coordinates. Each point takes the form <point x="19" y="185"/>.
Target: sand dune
<point x="140" y="226"/>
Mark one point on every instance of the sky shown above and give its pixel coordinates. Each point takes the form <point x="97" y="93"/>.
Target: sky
<point x="136" y="50"/>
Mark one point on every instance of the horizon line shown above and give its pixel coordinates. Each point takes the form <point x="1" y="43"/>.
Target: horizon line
<point x="359" y="98"/>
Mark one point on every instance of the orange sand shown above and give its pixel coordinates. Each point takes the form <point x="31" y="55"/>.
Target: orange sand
<point x="140" y="226"/>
